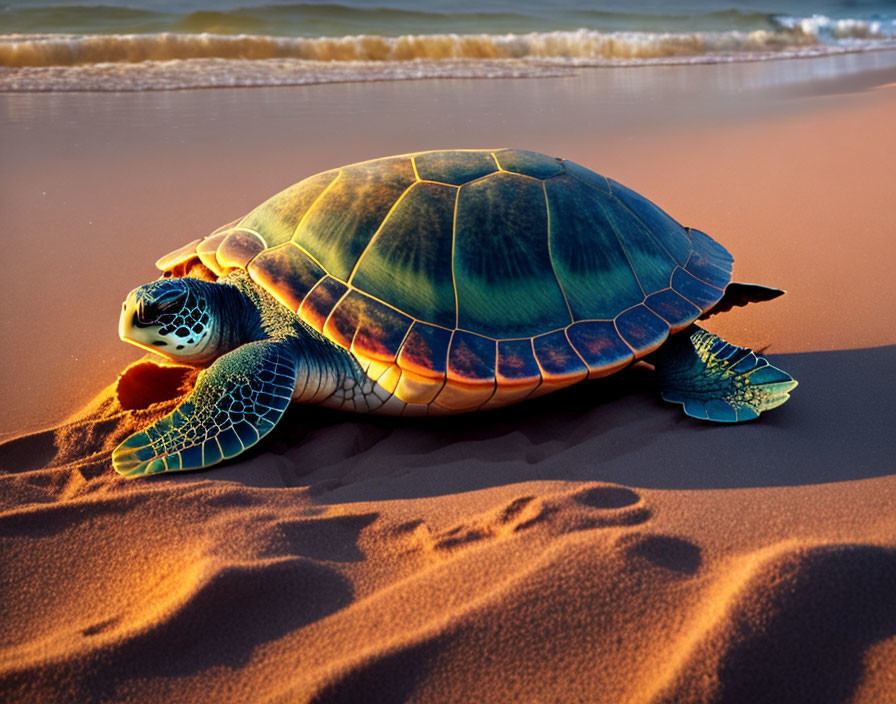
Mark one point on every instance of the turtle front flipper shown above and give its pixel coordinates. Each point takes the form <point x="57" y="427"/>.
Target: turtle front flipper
<point x="235" y="403"/>
<point x="715" y="380"/>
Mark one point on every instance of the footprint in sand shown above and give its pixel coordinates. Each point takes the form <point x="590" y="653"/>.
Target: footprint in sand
<point x="601" y="506"/>
<point x="604" y="506"/>
<point x="676" y="555"/>
<point x="608" y="497"/>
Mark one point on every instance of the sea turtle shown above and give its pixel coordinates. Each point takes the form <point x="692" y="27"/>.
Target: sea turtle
<point x="433" y="283"/>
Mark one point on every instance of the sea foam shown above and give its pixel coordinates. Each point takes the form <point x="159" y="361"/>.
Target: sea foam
<point x="171" y="60"/>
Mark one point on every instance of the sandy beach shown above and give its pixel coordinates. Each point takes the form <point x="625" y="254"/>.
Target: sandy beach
<point x="594" y="545"/>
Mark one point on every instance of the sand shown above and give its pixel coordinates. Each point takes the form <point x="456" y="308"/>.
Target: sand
<point x="591" y="546"/>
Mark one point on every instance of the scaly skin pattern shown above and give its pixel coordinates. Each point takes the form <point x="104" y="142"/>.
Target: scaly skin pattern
<point x="244" y="393"/>
<point x="358" y="393"/>
<point x="327" y="374"/>
<point x="234" y="404"/>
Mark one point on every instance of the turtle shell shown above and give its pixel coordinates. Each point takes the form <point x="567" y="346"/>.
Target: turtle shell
<point x="474" y="278"/>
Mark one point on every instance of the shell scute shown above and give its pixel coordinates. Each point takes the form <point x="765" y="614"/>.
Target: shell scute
<point x="707" y="263"/>
<point x="455" y="167"/>
<point x="720" y="256"/>
<point x="501" y="258"/>
<point x="557" y="358"/>
<point x="696" y="291"/>
<point x="587" y="176"/>
<point x="516" y="362"/>
<point x="588" y="258"/>
<point x="425" y="350"/>
<point x="599" y="344"/>
<point x="278" y="217"/>
<point x="238" y="248"/>
<point x="380" y="330"/>
<point x="657" y="224"/>
<point x="343" y="321"/>
<point x="471" y="358"/>
<point x="673" y="308"/>
<point x="320" y="301"/>
<point x="338" y="227"/>
<point x="416" y="390"/>
<point x="642" y="329"/>
<point x="652" y="264"/>
<point x="408" y="262"/>
<point x="287" y="273"/>
<point x="527" y="163"/>
<point x="207" y="252"/>
<point x="702" y="268"/>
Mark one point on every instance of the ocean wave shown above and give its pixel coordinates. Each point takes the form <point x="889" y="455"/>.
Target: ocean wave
<point x="69" y="50"/>
<point x="334" y="19"/>
<point x="231" y="73"/>
<point x="172" y="60"/>
<point x="822" y="26"/>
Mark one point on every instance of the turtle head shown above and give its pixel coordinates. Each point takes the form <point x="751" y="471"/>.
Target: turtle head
<point x="172" y="317"/>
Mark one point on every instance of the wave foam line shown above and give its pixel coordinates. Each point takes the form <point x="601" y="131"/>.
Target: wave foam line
<point x="70" y="50"/>
<point x="823" y="26"/>
<point x="229" y="73"/>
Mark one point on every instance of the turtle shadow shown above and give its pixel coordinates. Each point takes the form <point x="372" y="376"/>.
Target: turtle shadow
<point x="836" y="427"/>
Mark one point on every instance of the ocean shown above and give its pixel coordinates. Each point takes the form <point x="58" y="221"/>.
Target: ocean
<point x="145" y="45"/>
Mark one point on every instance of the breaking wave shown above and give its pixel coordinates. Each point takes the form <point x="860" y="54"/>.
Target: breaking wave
<point x="174" y="60"/>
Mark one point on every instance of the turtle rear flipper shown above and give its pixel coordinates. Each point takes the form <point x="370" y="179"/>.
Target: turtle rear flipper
<point x="715" y="380"/>
<point x="236" y="402"/>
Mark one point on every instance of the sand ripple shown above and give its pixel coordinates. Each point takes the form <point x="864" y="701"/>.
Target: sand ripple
<point x="489" y="559"/>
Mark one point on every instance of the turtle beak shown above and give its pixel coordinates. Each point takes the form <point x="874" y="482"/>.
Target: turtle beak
<point x="126" y="321"/>
<point x="131" y="330"/>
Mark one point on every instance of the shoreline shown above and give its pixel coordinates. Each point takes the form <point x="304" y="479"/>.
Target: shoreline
<point x="223" y="73"/>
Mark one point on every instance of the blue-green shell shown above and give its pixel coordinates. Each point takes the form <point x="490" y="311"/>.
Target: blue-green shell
<point x="482" y="266"/>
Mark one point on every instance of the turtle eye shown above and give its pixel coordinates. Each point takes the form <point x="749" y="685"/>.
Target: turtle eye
<point x="167" y="301"/>
<point x="143" y="313"/>
<point x="149" y="311"/>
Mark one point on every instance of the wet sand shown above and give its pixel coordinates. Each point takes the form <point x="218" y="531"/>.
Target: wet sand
<point x="593" y="545"/>
<point x="95" y="186"/>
